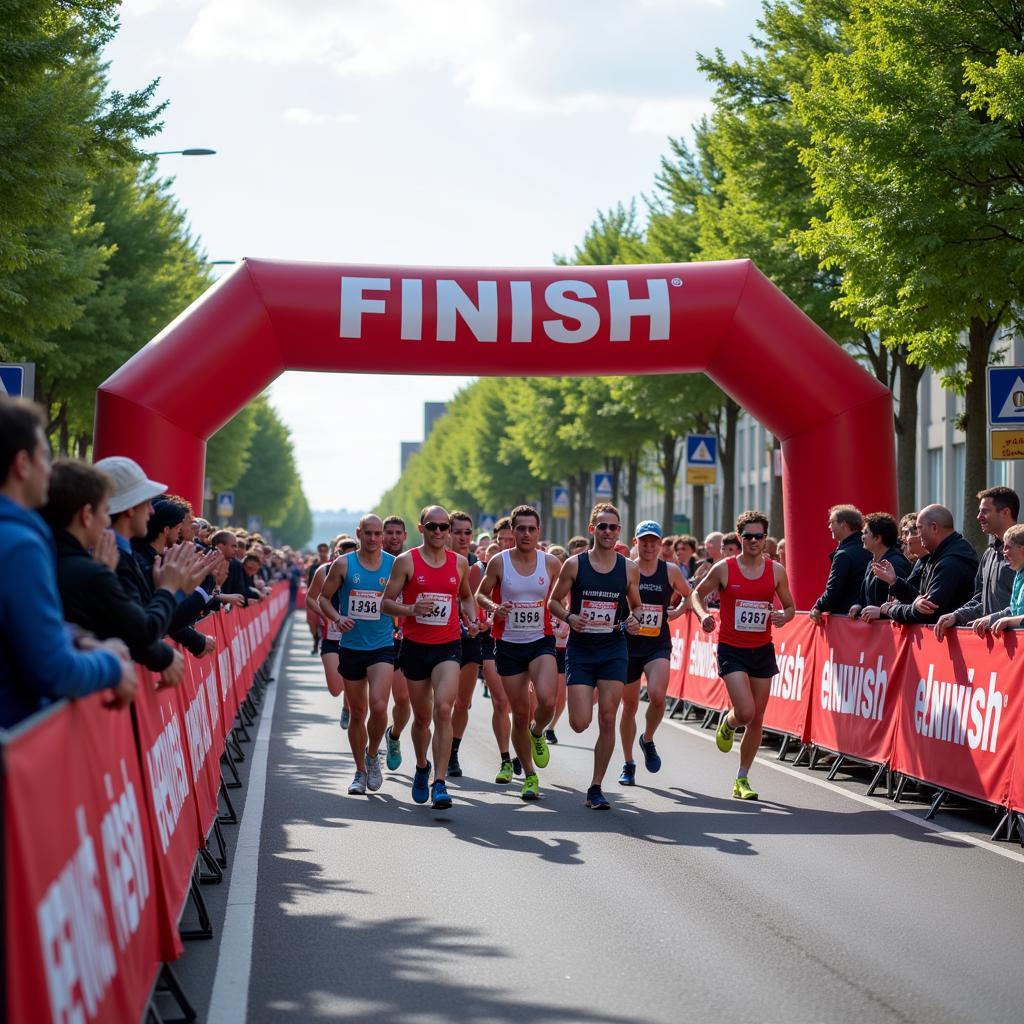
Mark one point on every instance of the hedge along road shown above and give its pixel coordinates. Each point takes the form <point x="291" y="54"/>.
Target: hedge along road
<point x="812" y="904"/>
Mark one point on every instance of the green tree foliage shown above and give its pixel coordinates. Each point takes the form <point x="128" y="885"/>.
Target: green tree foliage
<point x="296" y="529"/>
<point x="228" y="451"/>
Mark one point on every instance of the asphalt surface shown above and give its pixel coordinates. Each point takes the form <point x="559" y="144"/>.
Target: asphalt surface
<point x="678" y="904"/>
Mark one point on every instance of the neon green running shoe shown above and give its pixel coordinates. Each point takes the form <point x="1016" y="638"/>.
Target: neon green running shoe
<point x="504" y="776"/>
<point x="741" y="789"/>
<point x="724" y="735"/>
<point x="531" y="788"/>
<point x="541" y="754"/>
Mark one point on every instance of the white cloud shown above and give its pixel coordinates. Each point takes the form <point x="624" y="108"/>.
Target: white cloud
<point x="300" y="115"/>
<point x="668" y="116"/>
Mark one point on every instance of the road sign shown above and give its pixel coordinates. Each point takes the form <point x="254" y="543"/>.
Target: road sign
<point x="1007" y="444"/>
<point x="560" y="502"/>
<point x="1006" y="396"/>
<point x="487" y="521"/>
<point x="18" y="379"/>
<point x="603" y="489"/>
<point x="225" y="504"/>
<point x="253" y="524"/>
<point x="701" y="459"/>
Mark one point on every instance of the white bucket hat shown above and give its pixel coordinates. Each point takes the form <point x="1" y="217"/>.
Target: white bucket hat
<point x="131" y="485"/>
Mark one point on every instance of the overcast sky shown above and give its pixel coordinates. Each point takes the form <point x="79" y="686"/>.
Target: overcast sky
<point x="411" y="131"/>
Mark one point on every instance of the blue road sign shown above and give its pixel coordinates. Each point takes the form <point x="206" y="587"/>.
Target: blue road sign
<point x="12" y="380"/>
<point x="226" y="504"/>
<point x="1006" y="395"/>
<point x="701" y="449"/>
<point x="487" y="521"/>
<point x="603" y="489"/>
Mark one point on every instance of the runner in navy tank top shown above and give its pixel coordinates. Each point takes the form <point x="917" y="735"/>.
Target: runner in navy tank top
<point x="429" y="589"/>
<point x="663" y="591"/>
<point x="604" y="603"/>
<point x="747" y="585"/>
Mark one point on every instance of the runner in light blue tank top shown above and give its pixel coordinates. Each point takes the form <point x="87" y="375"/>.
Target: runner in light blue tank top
<point x="360" y="600"/>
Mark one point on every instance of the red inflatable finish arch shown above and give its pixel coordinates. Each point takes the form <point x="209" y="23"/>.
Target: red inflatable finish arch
<point x="725" y="319"/>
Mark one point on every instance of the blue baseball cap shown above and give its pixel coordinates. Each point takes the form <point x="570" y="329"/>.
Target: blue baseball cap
<point x="648" y="528"/>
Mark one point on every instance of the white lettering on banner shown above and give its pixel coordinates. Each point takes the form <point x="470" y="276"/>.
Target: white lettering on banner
<point x="124" y="853"/>
<point x="789" y="683"/>
<point x="224" y="662"/>
<point x="564" y="298"/>
<point x="854" y="689"/>
<point x="200" y="737"/>
<point x="959" y="713"/>
<point x="167" y="780"/>
<point x="703" y="658"/>
<point x="75" y="935"/>
<point x="236" y="653"/>
<point x="675" y="662"/>
<point x="211" y="699"/>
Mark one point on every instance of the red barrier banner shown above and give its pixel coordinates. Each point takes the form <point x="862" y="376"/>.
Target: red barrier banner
<point x="224" y="630"/>
<point x="797" y="648"/>
<point x="702" y="684"/>
<point x="960" y="712"/>
<point x="198" y="719"/>
<point x="680" y="632"/>
<point x="170" y="799"/>
<point x="82" y="917"/>
<point x="240" y="654"/>
<point x="857" y="689"/>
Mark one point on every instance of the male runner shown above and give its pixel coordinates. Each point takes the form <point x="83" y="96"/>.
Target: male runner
<point x="561" y="631"/>
<point x="433" y="586"/>
<point x="504" y="536"/>
<point x="746" y="585"/>
<point x="329" y="649"/>
<point x="394" y="544"/>
<point x="313" y="620"/>
<point x="663" y="591"/>
<point x="604" y="600"/>
<point x="521" y="579"/>
<point x="367" y="651"/>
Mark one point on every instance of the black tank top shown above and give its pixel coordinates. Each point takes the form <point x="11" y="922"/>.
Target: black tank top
<point x="600" y="597"/>
<point x="655" y="592"/>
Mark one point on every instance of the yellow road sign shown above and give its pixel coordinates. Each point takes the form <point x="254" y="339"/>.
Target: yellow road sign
<point x="1007" y="444"/>
<point x="698" y="475"/>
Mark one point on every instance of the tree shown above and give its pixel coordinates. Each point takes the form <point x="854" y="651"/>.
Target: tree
<point x="227" y="452"/>
<point x="296" y="529"/>
<point x="267" y="486"/>
<point x="922" y="182"/>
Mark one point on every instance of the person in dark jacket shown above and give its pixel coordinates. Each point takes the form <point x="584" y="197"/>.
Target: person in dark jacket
<point x="39" y="662"/>
<point x="78" y="513"/>
<point x="849" y="562"/>
<point x="947" y="581"/>
<point x="237" y="582"/>
<point x="880" y="536"/>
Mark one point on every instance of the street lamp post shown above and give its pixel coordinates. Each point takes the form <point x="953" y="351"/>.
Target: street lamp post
<point x="184" y="152"/>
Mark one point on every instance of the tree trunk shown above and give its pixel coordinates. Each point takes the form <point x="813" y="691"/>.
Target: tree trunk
<point x="582" y="487"/>
<point x="697" y="512"/>
<point x="64" y="433"/>
<point x="727" y="456"/>
<point x="906" y="434"/>
<point x="668" y="463"/>
<point x="613" y="465"/>
<point x="82" y="444"/>
<point x="570" y="484"/>
<point x="632" y="482"/>
<point x="979" y="336"/>
<point x="776" y="514"/>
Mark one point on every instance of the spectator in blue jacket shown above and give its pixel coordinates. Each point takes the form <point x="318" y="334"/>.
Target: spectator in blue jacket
<point x="39" y="662"/>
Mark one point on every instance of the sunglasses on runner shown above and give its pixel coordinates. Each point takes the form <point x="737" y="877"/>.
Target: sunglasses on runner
<point x="606" y="527"/>
<point x="434" y="527"/>
<point x="752" y="536"/>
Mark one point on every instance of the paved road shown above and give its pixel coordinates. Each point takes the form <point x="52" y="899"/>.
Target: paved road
<point x="678" y="904"/>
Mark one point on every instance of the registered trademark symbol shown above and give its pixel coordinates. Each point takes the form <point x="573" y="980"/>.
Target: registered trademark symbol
<point x="677" y="282"/>
<point x="1006" y="699"/>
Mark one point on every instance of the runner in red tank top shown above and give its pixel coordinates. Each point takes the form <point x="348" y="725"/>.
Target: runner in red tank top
<point x="429" y="588"/>
<point x="747" y="584"/>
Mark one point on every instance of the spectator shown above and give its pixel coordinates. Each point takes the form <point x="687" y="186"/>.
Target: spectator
<point x="237" y="583"/>
<point x="731" y="546"/>
<point x="577" y="544"/>
<point x="780" y="551"/>
<point x="914" y="552"/>
<point x="713" y="547"/>
<point x="251" y="566"/>
<point x="998" y="508"/>
<point x="947" y="580"/>
<point x="849" y="561"/>
<point x="880" y="536"/>
<point x="1012" y="616"/>
<point x="668" y="548"/>
<point x="685" y="549"/>
<point x="38" y="660"/>
<point x="93" y="597"/>
<point x="771" y="547"/>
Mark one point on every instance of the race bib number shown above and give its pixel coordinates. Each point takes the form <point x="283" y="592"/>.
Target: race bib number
<point x="524" y="616"/>
<point x="751" y="616"/>
<point x="440" y="614"/>
<point x="364" y="605"/>
<point x="598" y="615"/>
<point x="649" y="616"/>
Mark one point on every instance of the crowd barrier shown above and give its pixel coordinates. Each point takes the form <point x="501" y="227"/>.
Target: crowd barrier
<point x="946" y="714"/>
<point x="107" y="816"/>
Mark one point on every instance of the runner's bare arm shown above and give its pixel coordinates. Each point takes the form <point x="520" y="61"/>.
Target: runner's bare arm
<point x="682" y="591"/>
<point x="566" y="578"/>
<point x="492" y="577"/>
<point x="713" y="581"/>
<point x="466" y="599"/>
<point x="400" y="573"/>
<point x="334" y="579"/>
<point x="314" y="590"/>
<point x="782" y="589"/>
<point x="633" y="596"/>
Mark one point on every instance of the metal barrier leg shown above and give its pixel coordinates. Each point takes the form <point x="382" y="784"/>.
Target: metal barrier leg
<point x="882" y="770"/>
<point x="1005" y="822"/>
<point x="215" y="874"/>
<point x="230" y="816"/>
<point x="832" y="772"/>
<point x="804" y="751"/>
<point x="205" y="929"/>
<point x="227" y="761"/>
<point x="936" y="804"/>
<point x="900" y="786"/>
<point x="168" y="984"/>
<point x="222" y="848"/>
<point x="236" y="747"/>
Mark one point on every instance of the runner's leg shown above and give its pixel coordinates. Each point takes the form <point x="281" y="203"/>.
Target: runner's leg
<point x="656" y="672"/>
<point x="609" y="693"/>
<point x="501" y="709"/>
<point x="379" y="676"/>
<point x="401" y="711"/>
<point x="581" y="706"/>
<point x="421" y="697"/>
<point x="544" y="676"/>
<point x="445" y="682"/>
<point x="741" y="699"/>
<point x="335" y="684"/>
<point x="761" y="689"/>
<point x="627" y="726"/>
<point x="517" y="689"/>
<point x="357" y="706"/>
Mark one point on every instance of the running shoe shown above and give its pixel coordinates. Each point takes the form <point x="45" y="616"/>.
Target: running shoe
<point x="439" y="798"/>
<point x="454" y="768"/>
<point x="316" y="648"/>
<point x="651" y="760"/>
<point x="596" y="799"/>
<point x="374" y="776"/>
<point x="741" y="789"/>
<point x="394" y="750"/>
<point x="531" y="788"/>
<point x="357" y="787"/>
<point x="541" y="754"/>
<point x="517" y="766"/>
<point x="549" y="735"/>
<point x="345" y="718"/>
<point x="627" y="777"/>
<point x="420" y="785"/>
<point x="724" y="735"/>
<point x="504" y="776"/>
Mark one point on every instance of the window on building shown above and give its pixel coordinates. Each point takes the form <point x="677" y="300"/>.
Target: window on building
<point x="936" y="477"/>
<point x="959" y="482"/>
